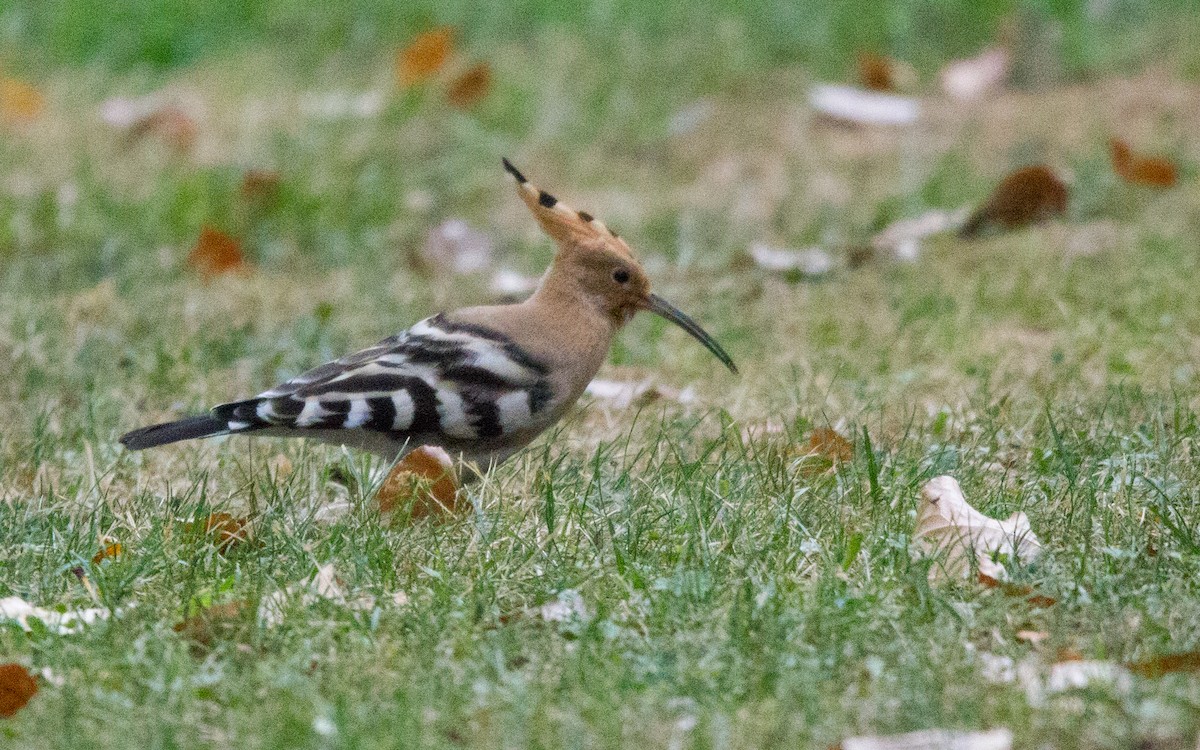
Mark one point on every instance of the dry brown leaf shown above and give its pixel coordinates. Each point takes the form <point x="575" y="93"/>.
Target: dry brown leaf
<point x="20" y="102"/>
<point x="1015" y="589"/>
<point x="425" y="57"/>
<point x="260" y="185"/>
<point x="216" y="253"/>
<point x="469" y="88"/>
<point x="226" y="530"/>
<point x="1157" y="666"/>
<point x="963" y="538"/>
<point x="169" y="123"/>
<point x="17" y="686"/>
<point x="973" y="77"/>
<point x="876" y="72"/>
<point x="424" y="480"/>
<point x="1026" y="196"/>
<point x="107" y="552"/>
<point x="934" y="739"/>
<point x="215" y="622"/>
<point x="1141" y="170"/>
<point x="825" y="449"/>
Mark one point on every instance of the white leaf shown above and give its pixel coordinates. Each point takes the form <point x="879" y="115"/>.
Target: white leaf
<point x="71" y="621"/>
<point x="861" y="107"/>
<point x="963" y="538"/>
<point x="902" y="238"/>
<point x="809" y="262"/>
<point x="975" y="76"/>
<point x="934" y="739"/>
<point x="568" y="606"/>
<point x="455" y="247"/>
<point x="1076" y="675"/>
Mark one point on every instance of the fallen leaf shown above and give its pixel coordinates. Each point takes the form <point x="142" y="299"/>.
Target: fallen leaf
<point x="260" y="185"/>
<point x="963" y="538"/>
<point x="902" y="238"/>
<point x="881" y="73"/>
<point x="810" y="262"/>
<point x="1076" y="675"/>
<point x="621" y="394"/>
<point x="825" y="449"/>
<point x="226" y="530"/>
<point x="568" y="605"/>
<point x="469" y="88"/>
<point x="425" y="56"/>
<point x="934" y="739"/>
<point x="170" y="123"/>
<point x="423" y="480"/>
<point x="1026" y="196"/>
<point x="337" y="105"/>
<point x="69" y="621"/>
<point x="858" y="107"/>
<point x="17" y="686"/>
<point x="1014" y="589"/>
<point x="216" y="253"/>
<point x="324" y="584"/>
<point x="1141" y="170"/>
<point x="1157" y="666"/>
<point x="455" y="247"/>
<point x="107" y="552"/>
<point x="1032" y="636"/>
<point x="20" y="102"/>
<point x="975" y="76"/>
<point x="210" y="624"/>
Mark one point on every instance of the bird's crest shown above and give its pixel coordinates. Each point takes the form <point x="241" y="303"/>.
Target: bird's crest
<point x="568" y="227"/>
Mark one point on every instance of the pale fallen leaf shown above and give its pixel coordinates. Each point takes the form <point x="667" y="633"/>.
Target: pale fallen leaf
<point x="1032" y="636"/>
<point x="324" y="584"/>
<point x="1076" y="675"/>
<point x="621" y="394"/>
<point x="455" y="247"/>
<point x="973" y="77"/>
<point x="902" y="238"/>
<point x="567" y="606"/>
<point x="996" y="668"/>
<point x="338" y="105"/>
<point x="963" y="538"/>
<point x="934" y="739"/>
<point x="808" y="262"/>
<point x="857" y="106"/>
<point x="70" y="621"/>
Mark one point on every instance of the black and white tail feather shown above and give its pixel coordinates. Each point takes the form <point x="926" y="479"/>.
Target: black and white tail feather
<point x="440" y="382"/>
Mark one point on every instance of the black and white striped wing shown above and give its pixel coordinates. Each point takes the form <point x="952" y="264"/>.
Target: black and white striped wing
<point x="457" y="381"/>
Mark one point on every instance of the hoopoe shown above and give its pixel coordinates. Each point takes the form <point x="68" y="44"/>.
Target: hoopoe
<point x="481" y="382"/>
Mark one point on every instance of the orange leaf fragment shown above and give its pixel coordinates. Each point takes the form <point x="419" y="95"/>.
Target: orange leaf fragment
<point x="1187" y="661"/>
<point x="19" y="101"/>
<point x="228" y="531"/>
<point x="471" y="87"/>
<point x="826" y="449"/>
<point x="1026" y="196"/>
<point x="1141" y="170"/>
<point x="216" y="253"/>
<point x="423" y="480"/>
<point x="17" y="686"/>
<point x="107" y="552"/>
<point x="426" y="56"/>
<point x="876" y="72"/>
<point x="1016" y="589"/>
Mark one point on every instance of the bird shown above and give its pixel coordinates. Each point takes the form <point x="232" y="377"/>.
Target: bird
<point x="479" y="382"/>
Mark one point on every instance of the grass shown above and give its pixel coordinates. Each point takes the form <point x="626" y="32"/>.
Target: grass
<point x="729" y="599"/>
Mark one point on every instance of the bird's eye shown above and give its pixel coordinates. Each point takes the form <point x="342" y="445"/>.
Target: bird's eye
<point x="621" y="276"/>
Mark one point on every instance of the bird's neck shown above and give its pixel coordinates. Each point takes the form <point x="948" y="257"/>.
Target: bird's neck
<point x="560" y="290"/>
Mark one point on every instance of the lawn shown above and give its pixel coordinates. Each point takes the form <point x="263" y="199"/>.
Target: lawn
<point x="667" y="572"/>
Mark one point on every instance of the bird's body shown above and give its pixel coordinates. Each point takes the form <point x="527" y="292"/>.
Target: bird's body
<point x="481" y="382"/>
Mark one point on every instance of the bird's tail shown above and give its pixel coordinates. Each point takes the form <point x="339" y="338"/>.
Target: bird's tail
<point x="172" y="432"/>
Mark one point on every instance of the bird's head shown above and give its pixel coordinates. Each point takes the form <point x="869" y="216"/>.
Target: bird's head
<point x="594" y="263"/>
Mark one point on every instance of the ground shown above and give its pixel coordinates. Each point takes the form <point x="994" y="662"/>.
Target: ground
<point x="661" y="574"/>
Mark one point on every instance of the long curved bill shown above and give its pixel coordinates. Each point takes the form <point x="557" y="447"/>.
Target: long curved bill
<point x="660" y="306"/>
